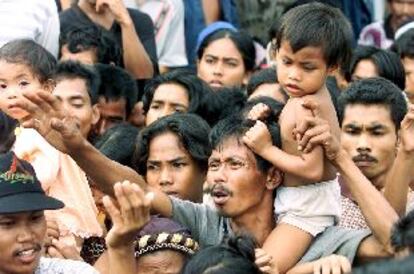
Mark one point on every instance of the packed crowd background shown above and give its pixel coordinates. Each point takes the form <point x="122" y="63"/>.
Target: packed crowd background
<point x="206" y="136"/>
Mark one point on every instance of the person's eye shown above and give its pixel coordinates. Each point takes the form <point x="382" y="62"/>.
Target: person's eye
<point x="154" y="106"/>
<point x="309" y="68"/>
<point x="209" y="60"/>
<point x="24" y="83"/>
<point x="3" y="86"/>
<point x="377" y="133"/>
<point x="152" y="167"/>
<point x="235" y="164"/>
<point x="351" y="131"/>
<point x="7" y="224"/>
<point x="37" y="217"/>
<point x="286" y="61"/>
<point x="213" y="166"/>
<point x="179" y="110"/>
<point x="179" y="165"/>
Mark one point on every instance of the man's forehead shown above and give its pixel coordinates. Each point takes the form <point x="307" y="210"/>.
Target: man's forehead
<point x="232" y="147"/>
<point x="367" y="114"/>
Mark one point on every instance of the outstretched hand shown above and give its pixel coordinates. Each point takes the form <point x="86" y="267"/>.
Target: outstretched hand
<point x="48" y="117"/>
<point x="314" y="131"/>
<point x="129" y="216"/>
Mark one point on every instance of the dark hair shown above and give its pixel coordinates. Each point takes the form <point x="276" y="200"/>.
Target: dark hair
<point x="388" y="64"/>
<point x="117" y="83"/>
<point x="236" y="126"/>
<point x="318" y="25"/>
<point x="7" y="136"/>
<point x="395" y="266"/>
<point x="118" y="143"/>
<point x="374" y="91"/>
<point x="25" y="51"/>
<point x="74" y="70"/>
<point x="264" y="76"/>
<point x="83" y="38"/>
<point x="275" y="106"/>
<point x="404" y="45"/>
<point x="402" y="235"/>
<point x="195" y="87"/>
<point x="222" y="103"/>
<point x="191" y="130"/>
<point x="234" y="255"/>
<point x="243" y="42"/>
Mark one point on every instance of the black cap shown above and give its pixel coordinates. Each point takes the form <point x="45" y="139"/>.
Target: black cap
<point x="20" y="190"/>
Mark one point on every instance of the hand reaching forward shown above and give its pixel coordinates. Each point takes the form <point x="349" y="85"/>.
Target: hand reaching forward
<point x="129" y="216"/>
<point x="49" y="118"/>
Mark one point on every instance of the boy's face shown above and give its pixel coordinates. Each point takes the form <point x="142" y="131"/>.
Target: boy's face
<point x="302" y="72"/>
<point x="409" y="78"/>
<point x="75" y="99"/>
<point x="14" y="79"/>
<point x="21" y="241"/>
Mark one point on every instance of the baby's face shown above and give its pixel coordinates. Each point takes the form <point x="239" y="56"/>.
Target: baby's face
<point x="302" y="72"/>
<point x="14" y="79"/>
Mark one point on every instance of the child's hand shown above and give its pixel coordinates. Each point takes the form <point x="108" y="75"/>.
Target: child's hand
<point x="259" y="112"/>
<point x="407" y="130"/>
<point x="131" y="214"/>
<point x="265" y="262"/>
<point x="258" y="138"/>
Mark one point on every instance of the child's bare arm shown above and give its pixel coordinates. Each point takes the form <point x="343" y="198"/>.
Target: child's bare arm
<point x="308" y="166"/>
<point x="286" y="245"/>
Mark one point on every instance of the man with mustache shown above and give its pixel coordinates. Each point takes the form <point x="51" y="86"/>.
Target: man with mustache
<point x="242" y="185"/>
<point x="371" y="112"/>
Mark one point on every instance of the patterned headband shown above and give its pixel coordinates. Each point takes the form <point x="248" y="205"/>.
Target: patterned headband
<point x="175" y="241"/>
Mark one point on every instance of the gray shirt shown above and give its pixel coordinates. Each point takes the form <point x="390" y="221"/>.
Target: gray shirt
<point x="62" y="266"/>
<point x="208" y="227"/>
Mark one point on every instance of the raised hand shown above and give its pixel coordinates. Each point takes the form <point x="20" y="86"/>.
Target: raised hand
<point x="129" y="216"/>
<point x="117" y="8"/>
<point x="48" y="117"/>
<point x="258" y="138"/>
<point x="259" y="112"/>
<point x="407" y="130"/>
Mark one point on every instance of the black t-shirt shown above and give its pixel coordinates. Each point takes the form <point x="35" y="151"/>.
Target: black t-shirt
<point x="73" y="17"/>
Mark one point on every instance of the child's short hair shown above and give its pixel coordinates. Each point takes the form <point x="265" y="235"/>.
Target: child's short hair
<point x="318" y="25"/>
<point x="27" y="52"/>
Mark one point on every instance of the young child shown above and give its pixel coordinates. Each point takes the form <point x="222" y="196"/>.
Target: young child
<point x="313" y="41"/>
<point x="26" y="66"/>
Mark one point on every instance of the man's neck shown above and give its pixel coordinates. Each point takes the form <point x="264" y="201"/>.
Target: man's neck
<point x="258" y="221"/>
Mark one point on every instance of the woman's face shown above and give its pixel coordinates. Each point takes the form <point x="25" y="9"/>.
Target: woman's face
<point x="222" y="65"/>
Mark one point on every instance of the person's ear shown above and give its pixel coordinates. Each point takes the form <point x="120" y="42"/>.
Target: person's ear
<point x="274" y="178"/>
<point x="49" y="85"/>
<point x="332" y="69"/>
<point x="96" y="114"/>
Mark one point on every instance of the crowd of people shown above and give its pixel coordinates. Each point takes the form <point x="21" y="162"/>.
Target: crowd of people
<point x="161" y="136"/>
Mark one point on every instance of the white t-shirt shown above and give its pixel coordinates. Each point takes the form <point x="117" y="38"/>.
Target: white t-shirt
<point x="62" y="266"/>
<point x="168" y="19"/>
<point x="34" y="19"/>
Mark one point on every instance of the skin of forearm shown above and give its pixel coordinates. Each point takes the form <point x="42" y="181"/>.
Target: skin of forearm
<point x="398" y="181"/>
<point x="122" y="260"/>
<point x="103" y="171"/>
<point x="135" y="57"/>
<point x="378" y="213"/>
<point x="295" y="165"/>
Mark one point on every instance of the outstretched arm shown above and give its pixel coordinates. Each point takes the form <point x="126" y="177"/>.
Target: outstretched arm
<point x="399" y="178"/>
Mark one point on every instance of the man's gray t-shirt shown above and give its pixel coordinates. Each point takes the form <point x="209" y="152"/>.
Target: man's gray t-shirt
<point x="63" y="266"/>
<point x="208" y="227"/>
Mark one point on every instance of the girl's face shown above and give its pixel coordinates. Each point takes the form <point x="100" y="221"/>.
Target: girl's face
<point x="14" y="80"/>
<point x="222" y="65"/>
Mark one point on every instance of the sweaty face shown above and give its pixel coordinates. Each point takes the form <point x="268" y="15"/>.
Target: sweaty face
<point x="236" y="184"/>
<point x="112" y="113"/>
<point x="167" y="99"/>
<point x="369" y="136"/>
<point x="171" y="169"/>
<point x="302" y="72"/>
<point x="161" y="262"/>
<point x="21" y="241"/>
<point x="88" y="57"/>
<point x="409" y="78"/>
<point x="364" y="69"/>
<point x="222" y="65"/>
<point x="15" y="79"/>
<point x="75" y="100"/>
